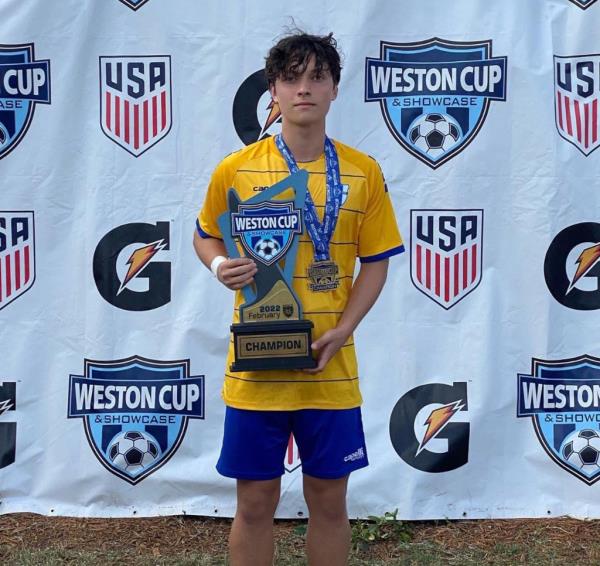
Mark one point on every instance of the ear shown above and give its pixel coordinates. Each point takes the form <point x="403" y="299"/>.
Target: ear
<point x="335" y="93"/>
<point x="273" y="93"/>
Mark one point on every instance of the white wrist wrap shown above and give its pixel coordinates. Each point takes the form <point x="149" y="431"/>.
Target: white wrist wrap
<point x="214" y="264"/>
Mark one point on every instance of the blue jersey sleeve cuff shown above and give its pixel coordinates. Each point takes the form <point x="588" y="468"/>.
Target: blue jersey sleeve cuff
<point x="383" y="255"/>
<point x="202" y="233"/>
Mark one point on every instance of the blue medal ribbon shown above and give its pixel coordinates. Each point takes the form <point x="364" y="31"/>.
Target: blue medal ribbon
<point x="320" y="232"/>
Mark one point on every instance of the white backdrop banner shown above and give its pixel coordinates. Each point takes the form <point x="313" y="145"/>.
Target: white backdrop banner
<point x="480" y="363"/>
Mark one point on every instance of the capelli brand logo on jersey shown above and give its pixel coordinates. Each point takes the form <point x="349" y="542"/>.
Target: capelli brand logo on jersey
<point x="577" y="96"/>
<point x="134" y="4"/>
<point x="435" y="94"/>
<point x="135" y="411"/>
<point x="255" y="115"/>
<point x="24" y="82"/>
<point x="135" y="100"/>
<point x="356" y="455"/>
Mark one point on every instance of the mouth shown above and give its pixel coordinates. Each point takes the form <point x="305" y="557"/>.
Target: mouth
<point x="304" y="104"/>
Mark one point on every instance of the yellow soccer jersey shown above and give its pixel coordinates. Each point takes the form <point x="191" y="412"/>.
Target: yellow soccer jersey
<point x="366" y="228"/>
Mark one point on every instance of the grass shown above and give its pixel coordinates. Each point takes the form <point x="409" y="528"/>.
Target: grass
<point x="405" y="554"/>
<point x="34" y="540"/>
<point x="51" y="557"/>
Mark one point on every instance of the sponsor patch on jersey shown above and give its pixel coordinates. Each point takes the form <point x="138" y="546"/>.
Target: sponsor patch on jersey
<point x="135" y="411"/>
<point x="576" y="96"/>
<point x="429" y="429"/>
<point x="435" y="94"/>
<point x="8" y="429"/>
<point x="134" y="4"/>
<point x="17" y="255"/>
<point x="572" y="266"/>
<point x="135" y="100"/>
<point x="24" y="82"/>
<point x="255" y="114"/>
<point x="131" y="268"/>
<point x="446" y="253"/>
<point x="266" y="229"/>
<point x="562" y="398"/>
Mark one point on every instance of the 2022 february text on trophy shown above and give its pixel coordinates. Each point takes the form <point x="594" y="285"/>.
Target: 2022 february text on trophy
<point x="271" y="333"/>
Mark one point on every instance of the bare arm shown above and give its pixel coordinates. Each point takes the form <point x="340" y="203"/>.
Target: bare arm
<point x="365" y="291"/>
<point x="233" y="273"/>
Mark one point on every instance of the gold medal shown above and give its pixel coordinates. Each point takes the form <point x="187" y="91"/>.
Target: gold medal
<point x="323" y="276"/>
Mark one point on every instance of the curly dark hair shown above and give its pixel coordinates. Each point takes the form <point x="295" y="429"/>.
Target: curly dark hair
<point x="289" y="57"/>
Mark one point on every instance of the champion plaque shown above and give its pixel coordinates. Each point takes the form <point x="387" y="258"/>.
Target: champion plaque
<point x="271" y="333"/>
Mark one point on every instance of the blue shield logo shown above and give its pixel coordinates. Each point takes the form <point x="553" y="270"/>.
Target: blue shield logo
<point x="583" y="4"/>
<point x="435" y="94"/>
<point x="23" y="83"/>
<point x="266" y="229"/>
<point x="135" y="411"/>
<point x="562" y="397"/>
<point x="134" y="4"/>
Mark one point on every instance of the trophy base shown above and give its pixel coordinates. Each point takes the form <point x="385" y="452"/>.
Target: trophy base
<point x="272" y="345"/>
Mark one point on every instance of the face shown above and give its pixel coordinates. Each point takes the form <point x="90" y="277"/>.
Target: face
<point x="304" y="99"/>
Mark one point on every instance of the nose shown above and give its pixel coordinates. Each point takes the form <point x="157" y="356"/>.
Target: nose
<point x="303" y="86"/>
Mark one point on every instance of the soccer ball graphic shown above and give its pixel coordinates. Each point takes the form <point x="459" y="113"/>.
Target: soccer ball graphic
<point x="581" y="449"/>
<point x="132" y="451"/>
<point x="434" y="134"/>
<point x="267" y="248"/>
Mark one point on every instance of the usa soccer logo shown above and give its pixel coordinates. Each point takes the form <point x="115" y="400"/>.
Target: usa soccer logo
<point x="562" y="398"/>
<point x="17" y="255"/>
<point x="266" y="230"/>
<point x="446" y="253"/>
<point x="583" y="4"/>
<point x="435" y="94"/>
<point x="135" y="100"/>
<point x="134" y="4"/>
<point x="24" y="82"/>
<point x="135" y="411"/>
<point x="577" y="91"/>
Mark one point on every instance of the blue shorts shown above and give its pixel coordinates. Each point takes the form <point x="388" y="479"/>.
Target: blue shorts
<point x="331" y="443"/>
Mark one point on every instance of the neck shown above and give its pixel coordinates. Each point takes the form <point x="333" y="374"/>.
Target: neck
<point x="305" y="143"/>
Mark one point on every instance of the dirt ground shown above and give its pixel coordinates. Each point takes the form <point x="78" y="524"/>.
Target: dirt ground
<point x="172" y="536"/>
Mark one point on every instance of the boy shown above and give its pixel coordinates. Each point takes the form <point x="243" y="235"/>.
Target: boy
<point x="349" y="214"/>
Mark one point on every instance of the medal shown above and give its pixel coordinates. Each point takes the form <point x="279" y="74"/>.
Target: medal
<point x="323" y="272"/>
<point x="323" y="276"/>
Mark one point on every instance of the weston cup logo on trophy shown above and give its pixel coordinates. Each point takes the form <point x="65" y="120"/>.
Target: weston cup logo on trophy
<point x="271" y="333"/>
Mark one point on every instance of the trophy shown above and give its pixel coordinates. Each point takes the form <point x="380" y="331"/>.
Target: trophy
<point x="271" y="333"/>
